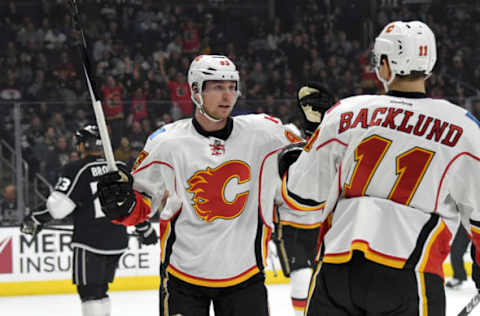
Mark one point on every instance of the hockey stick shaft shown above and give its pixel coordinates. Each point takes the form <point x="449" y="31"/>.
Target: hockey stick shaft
<point x="272" y="261"/>
<point x="470" y="306"/>
<point x="96" y="104"/>
<point x="70" y="230"/>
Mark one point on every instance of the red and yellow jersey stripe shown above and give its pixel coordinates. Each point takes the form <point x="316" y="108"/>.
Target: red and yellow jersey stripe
<point x="213" y="282"/>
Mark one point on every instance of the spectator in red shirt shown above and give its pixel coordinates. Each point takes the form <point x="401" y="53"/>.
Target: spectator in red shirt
<point x="179" y="90"/>
<point x="138" y="107"/>
<point x="191" y="40"/>
<point x="113" y="94"/>
<point x="369" y="81"/>
<point x="65" y="65"/>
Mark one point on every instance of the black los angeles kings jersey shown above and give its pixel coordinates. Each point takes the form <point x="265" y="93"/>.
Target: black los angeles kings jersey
<point x="76" y="190"/>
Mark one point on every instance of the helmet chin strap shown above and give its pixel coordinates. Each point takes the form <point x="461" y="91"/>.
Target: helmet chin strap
<point x="202" y="109"/>
<point x="211" y="118"/>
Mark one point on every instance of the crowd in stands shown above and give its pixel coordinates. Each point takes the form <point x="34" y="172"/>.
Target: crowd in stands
<point x="141" y="50"/>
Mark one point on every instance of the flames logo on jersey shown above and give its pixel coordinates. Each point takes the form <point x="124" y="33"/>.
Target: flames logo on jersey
<point x="139" y="160"/>
<point x="208" y="187"/>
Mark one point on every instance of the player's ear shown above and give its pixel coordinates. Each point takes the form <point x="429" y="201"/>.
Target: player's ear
<point x="195" y="87"/>
<point x="195" y="91"/>
<point x="387" y="72"/>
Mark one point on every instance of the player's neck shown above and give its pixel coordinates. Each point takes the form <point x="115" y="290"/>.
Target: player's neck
<point x="91" y="153"/>
<point x="408" y="86"/>
<point x="209" y="125"/>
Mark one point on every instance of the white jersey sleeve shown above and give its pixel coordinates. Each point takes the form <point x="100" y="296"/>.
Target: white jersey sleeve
<point x="312" y="183"/>
<point x="154" y="172"/>
<point x="270" y="185"/>
<point x="462" y="179"/>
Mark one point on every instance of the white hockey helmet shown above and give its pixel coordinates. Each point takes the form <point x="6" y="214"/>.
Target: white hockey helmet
<point x="210" y="67"/>
<point x="409" y="46"/>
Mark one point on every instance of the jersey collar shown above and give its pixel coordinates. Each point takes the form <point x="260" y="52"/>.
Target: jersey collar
<point x="90" y="158"/>
<point x="220" y="134"/>
<point x="410" y="95"/>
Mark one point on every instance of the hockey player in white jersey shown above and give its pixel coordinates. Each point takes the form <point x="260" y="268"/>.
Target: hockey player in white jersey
<point x="394" y="174"/>
<point x="214" y="234"/>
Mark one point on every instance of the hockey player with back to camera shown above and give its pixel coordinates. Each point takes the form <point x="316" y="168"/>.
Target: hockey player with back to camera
<point x="214" y="235"/>
<point x="406" y="169"/>
<point x="97" y="243"/>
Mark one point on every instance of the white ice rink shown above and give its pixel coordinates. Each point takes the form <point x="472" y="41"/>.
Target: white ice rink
<point x="145" y="303"/>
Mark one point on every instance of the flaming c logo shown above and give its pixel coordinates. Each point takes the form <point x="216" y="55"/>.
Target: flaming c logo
<point x="208" y="188"/>
<point x="139" y="160"/>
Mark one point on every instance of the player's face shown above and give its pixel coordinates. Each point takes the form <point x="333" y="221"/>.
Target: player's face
<point x="219" y="98"/>
<point x="81" y="148"/>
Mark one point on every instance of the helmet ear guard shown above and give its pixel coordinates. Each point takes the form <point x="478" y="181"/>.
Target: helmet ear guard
<point x="194" y="87"/>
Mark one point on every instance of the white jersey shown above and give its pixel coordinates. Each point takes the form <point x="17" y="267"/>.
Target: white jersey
<point x="212" y="230"/>
<point x="391" y="174"/>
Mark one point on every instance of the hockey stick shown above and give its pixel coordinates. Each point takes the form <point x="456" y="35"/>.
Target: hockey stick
<point x="97" y="105"/>
<point x="70" y="230"/>
<point x="272" y="261"/>
<point x="470" y="306"/>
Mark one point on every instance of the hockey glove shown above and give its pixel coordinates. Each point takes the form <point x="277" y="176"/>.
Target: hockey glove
<point x="33" y="222"/>
<point x="115" y="191"/>
<point x="288" y="155"/>
<point x="30" y="226"/>
<point x="146" y="232"/>
<point x="314" y="100"/>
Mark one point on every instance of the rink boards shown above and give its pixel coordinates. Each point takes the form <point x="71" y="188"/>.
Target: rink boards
<point x="43" y="265"/>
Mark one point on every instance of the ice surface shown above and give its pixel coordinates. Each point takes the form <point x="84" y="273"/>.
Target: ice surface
<point x="145" y="303"/>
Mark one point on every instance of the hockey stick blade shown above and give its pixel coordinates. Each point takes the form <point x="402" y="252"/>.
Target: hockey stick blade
<point x="470" y="306"/>
<point x="96" y="104"/>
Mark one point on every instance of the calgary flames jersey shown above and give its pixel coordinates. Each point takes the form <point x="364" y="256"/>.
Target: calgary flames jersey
<point x="212" y="229"/>
<point x="390" y="176"/>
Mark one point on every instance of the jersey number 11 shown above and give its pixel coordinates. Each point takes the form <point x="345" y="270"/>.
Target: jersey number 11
<point x="410" y="168"/>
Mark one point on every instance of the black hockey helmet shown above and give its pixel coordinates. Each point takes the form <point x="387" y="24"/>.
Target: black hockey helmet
<point x="89" y="136"/>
